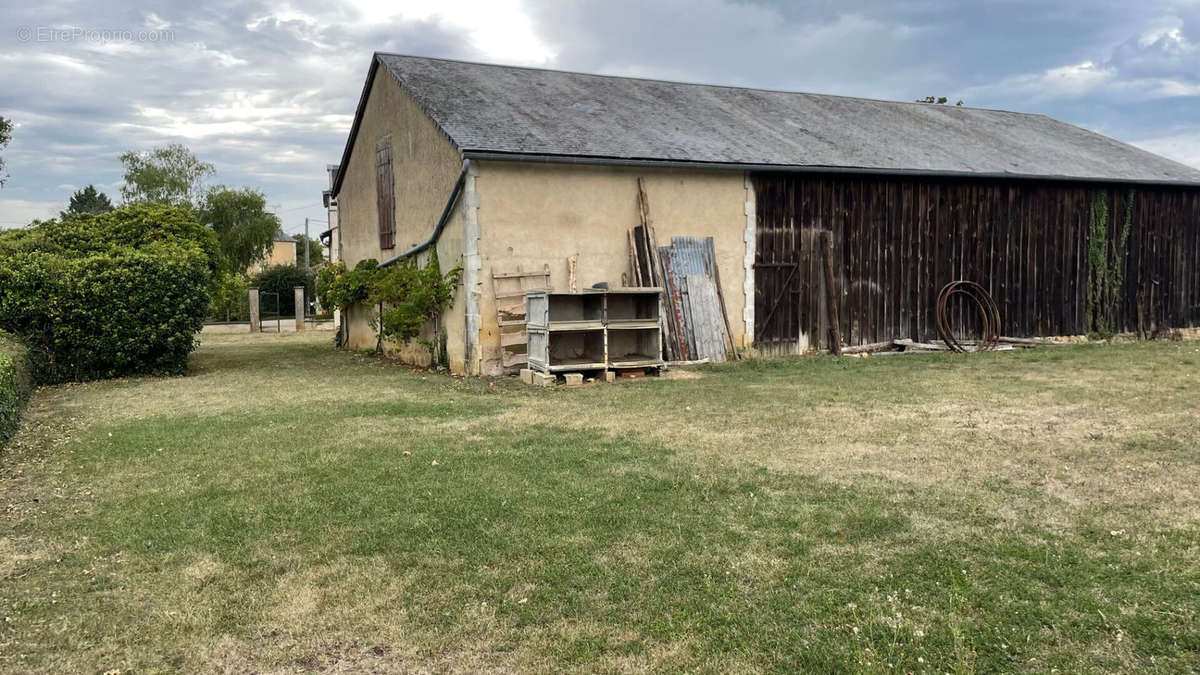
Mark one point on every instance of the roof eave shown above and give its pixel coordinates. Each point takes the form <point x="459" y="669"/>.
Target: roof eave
<point x="495" y="156"/>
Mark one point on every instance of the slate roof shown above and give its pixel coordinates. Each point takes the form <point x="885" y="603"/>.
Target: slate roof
<point x="486" y="108"/>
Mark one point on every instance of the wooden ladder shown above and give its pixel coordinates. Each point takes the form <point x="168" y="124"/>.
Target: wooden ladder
<point x="509" y="290"/>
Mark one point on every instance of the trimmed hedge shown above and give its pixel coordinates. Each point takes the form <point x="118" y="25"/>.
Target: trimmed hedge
<point x="99" y="296"/>
<point x="16" y="382"/>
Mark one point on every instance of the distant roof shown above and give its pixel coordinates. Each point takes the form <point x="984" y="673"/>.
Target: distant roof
<point x="486" y="108"/>
<point x="281" y="236"/>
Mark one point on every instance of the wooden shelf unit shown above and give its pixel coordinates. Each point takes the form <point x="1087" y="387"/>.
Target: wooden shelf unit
<point x="594" y="329"/>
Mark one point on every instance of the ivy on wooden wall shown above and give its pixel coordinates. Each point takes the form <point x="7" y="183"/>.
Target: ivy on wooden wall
<point x="1106" y="264"/>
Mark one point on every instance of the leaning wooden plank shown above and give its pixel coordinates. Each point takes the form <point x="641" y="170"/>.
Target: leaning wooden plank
<point x="1040" y="342"/>
<point x="694" y="362"/>
<point x="831" y="295"/>
<point x="510" y="359"/>
<point x="706" y="319"/>
<point x="513" y="339"/>
<point x="672" y="282"/>
<point x="712" y="252"/>
<point x="911" y="344"/>
<point x="635" y="270"/>
<point x="867" y="349"/>
<point x="516" y="275"/>
<point x="665" y="325"/>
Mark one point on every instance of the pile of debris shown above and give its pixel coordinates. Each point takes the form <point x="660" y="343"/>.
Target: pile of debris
<point x="909" y="346"/>
<point x="695" y="324"/>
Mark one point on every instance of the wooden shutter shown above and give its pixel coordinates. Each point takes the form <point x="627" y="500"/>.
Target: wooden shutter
<point x="385" y="198"/>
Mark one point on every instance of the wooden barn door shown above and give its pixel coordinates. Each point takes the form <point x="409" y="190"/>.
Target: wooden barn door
<point x="789" y="290"/>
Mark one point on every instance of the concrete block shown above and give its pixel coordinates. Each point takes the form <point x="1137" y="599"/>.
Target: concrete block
<point x="610" y="376"/>
<point x="574" y="379"/>
<point x="298" y="294"/>
<point x="542" y="380"/>
<point x="527" y="375"/>
<point x="255" y="324"/>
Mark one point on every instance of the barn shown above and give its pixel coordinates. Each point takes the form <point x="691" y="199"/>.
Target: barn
<point x="521" y="171"/>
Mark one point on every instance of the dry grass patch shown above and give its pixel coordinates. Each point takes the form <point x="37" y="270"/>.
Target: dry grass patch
<point x="1019" y="511"/>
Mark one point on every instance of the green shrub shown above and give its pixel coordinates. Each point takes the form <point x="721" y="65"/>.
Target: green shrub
<point x="339" y="288"/>
<point x="282" y="279"/>
<point x="16" y="381"/>
<point x="97" y="296"/>
<point x="229" y="300"/>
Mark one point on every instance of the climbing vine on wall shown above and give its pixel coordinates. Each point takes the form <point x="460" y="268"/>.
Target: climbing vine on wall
<point x="407" y="295"/>
<point x="1106" y="264"/>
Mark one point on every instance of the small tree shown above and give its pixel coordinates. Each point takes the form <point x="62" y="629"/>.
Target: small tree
<point x="316" y="253"/>
<point x="5" y="136"/>
<point x="937" y="100"/>
<point x="243" y="225"/>
<point x="88" y="200"/>
<point x="229" y="301"/>
<point x="170" y="174"/>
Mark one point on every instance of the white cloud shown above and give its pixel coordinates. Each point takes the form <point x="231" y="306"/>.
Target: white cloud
<point x="266" y="89"/>
<point x="1183" y="147"/>
<point x="1069" y="81"/>
<point x="502" y="29"/>
<point x="20" y="212"/>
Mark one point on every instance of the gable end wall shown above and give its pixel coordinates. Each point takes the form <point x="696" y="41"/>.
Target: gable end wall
<point x="425" y="166"/>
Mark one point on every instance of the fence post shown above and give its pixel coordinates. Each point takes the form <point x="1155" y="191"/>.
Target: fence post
<point x="255" y="324"/>
<point x="299" y="291"/>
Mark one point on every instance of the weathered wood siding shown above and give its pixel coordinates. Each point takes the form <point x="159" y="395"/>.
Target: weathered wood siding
<point x="898" y="240"/>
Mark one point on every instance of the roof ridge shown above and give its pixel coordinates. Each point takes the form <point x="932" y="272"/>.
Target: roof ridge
<point x="704" y="84"/>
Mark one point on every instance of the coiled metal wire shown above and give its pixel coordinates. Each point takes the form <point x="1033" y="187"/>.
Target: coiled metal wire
<point x="989" y="314"/>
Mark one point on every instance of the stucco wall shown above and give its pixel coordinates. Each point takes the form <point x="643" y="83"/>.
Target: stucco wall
<point x="425" y="167"/>
<point x="280" y="253"/>
<point x="530" y="214"/>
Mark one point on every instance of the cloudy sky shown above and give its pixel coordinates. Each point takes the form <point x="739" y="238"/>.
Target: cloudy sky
<point x="266" y="90"/>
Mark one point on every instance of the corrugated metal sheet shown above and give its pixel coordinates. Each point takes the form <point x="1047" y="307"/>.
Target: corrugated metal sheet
<point x="688" y="257"/>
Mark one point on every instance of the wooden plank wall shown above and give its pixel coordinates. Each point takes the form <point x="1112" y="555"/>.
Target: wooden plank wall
<point x="897" y="241"/>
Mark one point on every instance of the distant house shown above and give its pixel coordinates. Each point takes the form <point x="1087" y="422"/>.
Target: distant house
<point x="330" y="238"/>
<point x="501" y="167"/>
<point x="282" y="252"/>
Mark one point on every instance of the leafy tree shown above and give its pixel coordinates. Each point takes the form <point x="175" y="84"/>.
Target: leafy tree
<point x="243" y="225"/>
<point x="316" y="254"/>
<point x="5" y="137"/>
<point x="937" y="100"/>
<point x="228" y="300"/>
<point x="170" y="174"/>
<point x="88" y="200"/>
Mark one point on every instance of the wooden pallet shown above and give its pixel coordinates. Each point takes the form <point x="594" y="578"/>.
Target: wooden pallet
<point x="509" y="290"/>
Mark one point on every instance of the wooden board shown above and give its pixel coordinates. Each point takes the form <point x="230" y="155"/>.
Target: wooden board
<point x="705" y="311"/>
<point x="508" y="289"/>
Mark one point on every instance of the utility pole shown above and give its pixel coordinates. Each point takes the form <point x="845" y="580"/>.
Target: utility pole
<point x="306" y="245"/>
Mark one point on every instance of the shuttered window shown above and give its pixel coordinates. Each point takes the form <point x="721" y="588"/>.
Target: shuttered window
<point x="385" y="195"/>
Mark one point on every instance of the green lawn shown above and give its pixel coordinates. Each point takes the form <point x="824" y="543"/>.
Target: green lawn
<point x="286" y="507"/>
